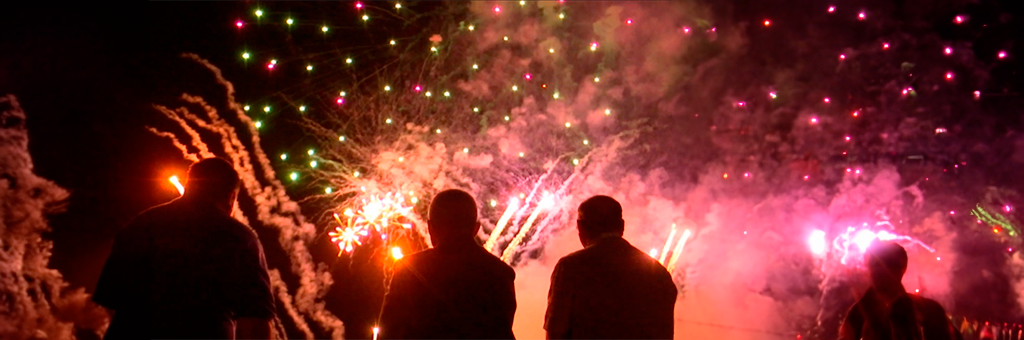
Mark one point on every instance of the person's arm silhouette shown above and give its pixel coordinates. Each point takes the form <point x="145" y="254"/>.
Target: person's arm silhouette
<point x="560" y="295"/>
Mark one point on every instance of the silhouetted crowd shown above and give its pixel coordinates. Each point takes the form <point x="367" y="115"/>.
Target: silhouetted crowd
<point x="187" y="270"/>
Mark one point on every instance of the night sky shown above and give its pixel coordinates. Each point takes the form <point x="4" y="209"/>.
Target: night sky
<point x="88" y="75"/>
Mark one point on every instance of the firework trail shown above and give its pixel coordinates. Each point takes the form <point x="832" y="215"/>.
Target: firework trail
<point x="273" y="207"/>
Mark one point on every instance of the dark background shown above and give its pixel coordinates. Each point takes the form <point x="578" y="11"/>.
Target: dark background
<point x="87" y="76"/>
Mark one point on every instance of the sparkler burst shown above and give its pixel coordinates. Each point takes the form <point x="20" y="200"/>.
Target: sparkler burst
<point x="382" y="216"/>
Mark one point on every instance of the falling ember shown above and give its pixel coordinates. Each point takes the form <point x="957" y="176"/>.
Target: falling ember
<point x="949" y="75"/>
<point x="861" y="16"/>
<point x="831" y="9"/>
<point x="1001" y="55"/>
<point x="181" y="189"/>
<point x="629" y="21"/>
<point x="814" y="120"/>
<point x="958" y="19"/>
<point x="239" y="24"/>
<point x="767" y="23"/>
<point x="396" y="253"/>
<point x="513" y="206"/>
<point x="497" y="9"/>
<point x="885" y="46"/>
<point x="948" y="50"/>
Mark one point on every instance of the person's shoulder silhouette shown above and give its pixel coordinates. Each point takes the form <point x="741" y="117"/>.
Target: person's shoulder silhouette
<point x="456" y="290"/>
<point x="187" y="269"/>
<point x="609" y="289"/>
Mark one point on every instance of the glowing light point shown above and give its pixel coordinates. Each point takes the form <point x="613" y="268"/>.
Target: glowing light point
<point x="359" y="5"/>
<point x="494" y="203"/>
<point x="885" y="46"/>
<point x="438" y="131"/>
<point x="433" y="49"/>
<point x="746" y="174"/>
<point x="977" y="94"/>
<point x="949" y="75"/>
<point x="398" y="5"/>
<point x="551" y="50"/>
<point x="1007" y="208"/>
<point x="856" y="113"/>
<point x="826" y="100"/>
<point x="388" y="121"/>
<point x="767" y="23"/>
<point x="387" y="87"/>
<point x="607" y="112"/>
<point x="948" y="50"/>
<point x="814" y="120"/>
<point x="507" y="118"/>
<point x="568" y="124"/>
<point x="271" y="66"/>
<point x="1001" y="55"/>
<point x="447" y="94"/>
<point x="471" y="27"/>
<point x="355" y="174"/>
<point x="465" y="150"/>
<point x="310" y="152"/>
<point x="522" y="3"/>
<point x="341" y="138"/>
<point x="266" y="109"/>
<point x="313" y="164"/>
<point x="817" y="243"/>
<point x="561" y="15"/>
<point x="259" y="13"/>
<point x="348" y="60"/>
<point x="597" y="79"/>
<point x="725" y="176"/>
<point x="366" y="17"/>
<point x="475" y="66"/>
<point x="958" y="19"/>
<point x="952" y="212"/>
<point x="246" y="108"/>
<point x="293" y="176"/>
<point x="289" y="21"/>
<point x="629" y="21"/>
<point x="847" y="138"/>
<point x="245" y="55"/>
<point x="177" y="184"/>
<point x="575" y="161"/>
<point x="842" y="57"/>
<point x="555" y="95"/>
<point x="239" y="24"/>
<point x="521" y="154"/>
<point x="515" y="88"/>
<point x="392" y="42"/>
<point x="428" y="94"/>
<point x="586" y="142"/>
<point x="258" y="124"/>
<point x="861" y="16"/>
<point x="284" y="157"/>
<point x="324" y="29"/>
<point x="938" y="258"/>
<point x="831" y="9"/>
<point x="328" y="190"/>
<point x="309" y="67"/>
<point x="505" y="38"/>
<point x="497" y="9"/>
<point x="773" y="95"/>
<point x="686" y="30"/>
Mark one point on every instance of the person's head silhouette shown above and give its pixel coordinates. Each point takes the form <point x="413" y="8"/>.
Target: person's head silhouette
<point x="598" y="217"/>
<point x="452" y="218"/>
<point x="886" y="262"/>
<point x="212" y="181"/>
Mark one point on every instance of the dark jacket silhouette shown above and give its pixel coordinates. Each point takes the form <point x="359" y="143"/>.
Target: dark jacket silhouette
<point x="610" y="290"/>
<point x="184" y="270"/>
<point x="458" y="291"/>
<point x="908" y="317"/>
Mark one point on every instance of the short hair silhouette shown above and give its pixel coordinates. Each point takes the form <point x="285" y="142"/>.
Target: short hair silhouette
<point x="453" y="210"/>
<point x="212" y="177"/>
<point x="888" y="254"/>
<point x="600" y="214"/>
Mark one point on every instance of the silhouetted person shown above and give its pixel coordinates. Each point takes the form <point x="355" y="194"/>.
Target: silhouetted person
<point x="187" y="269"/>
<point x="608" y="290"/>
<point x="457" y="290"/>
<point x="886" y="311"/>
